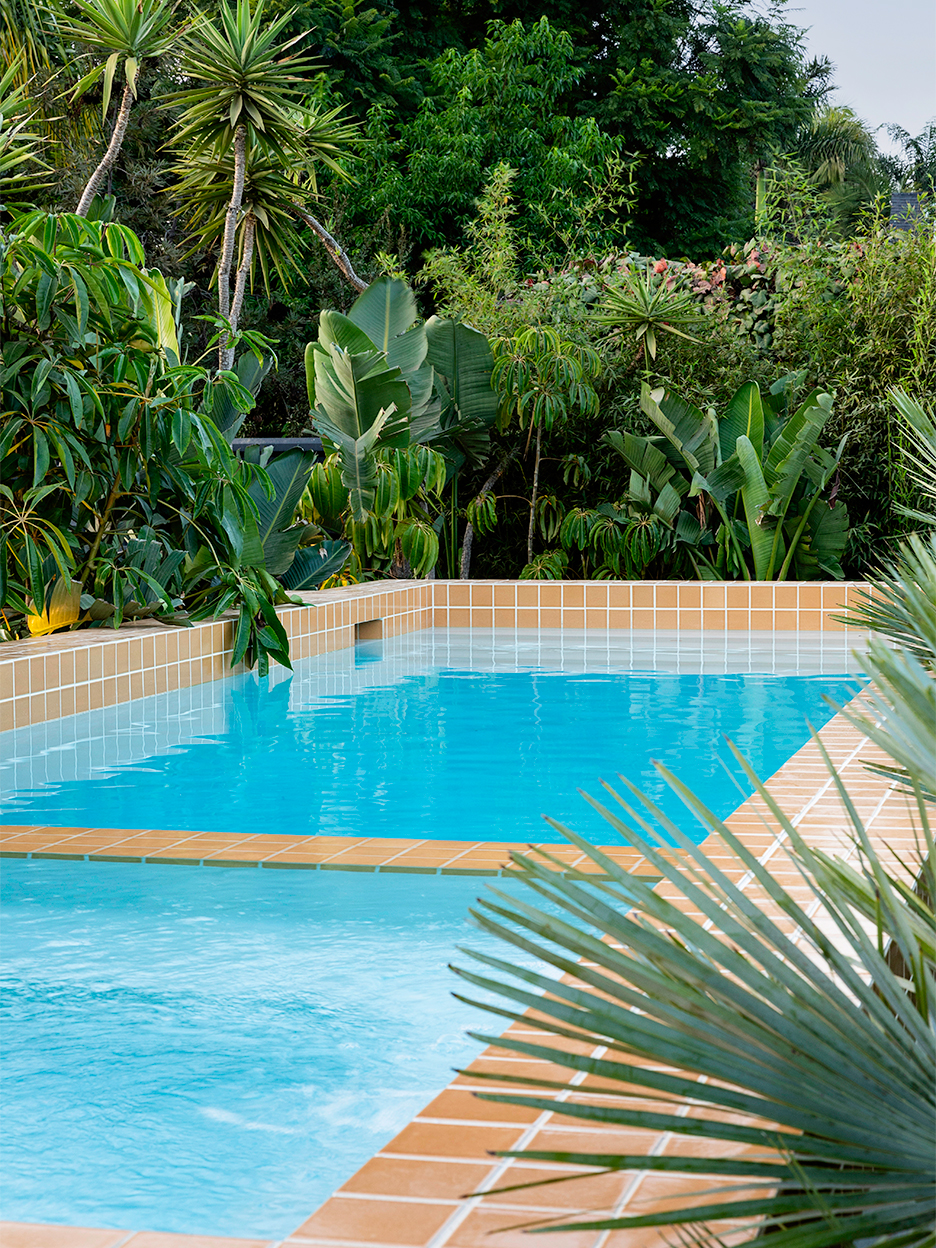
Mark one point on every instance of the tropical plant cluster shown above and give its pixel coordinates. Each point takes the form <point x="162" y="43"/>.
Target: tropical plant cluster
<point x="487" y="321"/>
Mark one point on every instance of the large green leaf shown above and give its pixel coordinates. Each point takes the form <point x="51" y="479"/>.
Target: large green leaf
<point x="463" y="356"/>
<point x="352" y="389"/>
<point x="315" y="564"/>
<point x="821" y="547"/>
<point x="793" y="445"/>
<point x="743" y="415"/>
<point x="692" y="433"/>
<point x="756" y="499"/>
<point x="288" y="474"/>
<point x="646" y="459"/>
<point x="356" y="459"/>
<point x="334" y="328"/>
<point x="385" y="311"/>
<point x="722" y="482"/>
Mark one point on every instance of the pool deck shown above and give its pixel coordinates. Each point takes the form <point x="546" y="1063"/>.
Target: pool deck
<point x="425" y="1189"/>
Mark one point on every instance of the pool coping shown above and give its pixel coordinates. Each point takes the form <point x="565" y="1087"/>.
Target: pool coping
<point x="404" y="1196"/>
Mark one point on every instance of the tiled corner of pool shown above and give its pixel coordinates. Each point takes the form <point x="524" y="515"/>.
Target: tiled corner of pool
<point x="44" y="678"/>
<point x="412" y="1194"/>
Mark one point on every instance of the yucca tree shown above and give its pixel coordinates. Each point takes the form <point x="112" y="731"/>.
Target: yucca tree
<point x="272" y="198"/>
<point x="248" y="101"/>
<point x="127" y="31"/>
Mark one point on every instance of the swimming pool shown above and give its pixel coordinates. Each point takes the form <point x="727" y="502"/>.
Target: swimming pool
<point x="443" y="734"/>
<point x="215" y="1052"/>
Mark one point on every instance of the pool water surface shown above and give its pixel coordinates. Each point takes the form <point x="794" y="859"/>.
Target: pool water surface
<point x="214" y="1052"/>
<point x="440" y="735"/>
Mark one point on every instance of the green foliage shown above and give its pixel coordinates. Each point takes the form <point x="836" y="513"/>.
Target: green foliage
<point x="646" y="308"/>
<point x="773" y="1027"/>
<point x="761" y="457"/>
<point x="501" y="103"/>
<point x="902" y="601"/>
<point x="121" y="498"/>
<point x="377" y="399"/>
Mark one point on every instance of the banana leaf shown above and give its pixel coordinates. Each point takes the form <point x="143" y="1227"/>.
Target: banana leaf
<point x="288" y="476"/>
<point x="643" y="457"/>
<point x="692" y="433"/>
<point x="743" y="415"/>
<point x="756" y="499"/>
<point x="463" y="356"/>
<point x="315" y="564"/>
<point x="359" y="467"/>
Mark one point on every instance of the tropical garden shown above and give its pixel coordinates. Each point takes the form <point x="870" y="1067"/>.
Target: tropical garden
<point x="561" y="294"/>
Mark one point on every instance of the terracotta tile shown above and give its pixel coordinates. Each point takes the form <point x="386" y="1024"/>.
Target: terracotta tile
<point x="527" y="617"/>
<point x="377" y="1221"/>
<point x="761" y="620"/>
<point x="455" y="1103"/>
<point x="482" y="595"/>
<point x="483" y="1229"/>
<point x="666" y="596"/>
<point x="550" y="595"/>
<point x="643" y="618"/>
<point x="505" y="617"/>
<point x="690" y="596"/>
<point x="619" y="594"/>
<point x="550" y="618"/>
<point x="642" y="596"/>
<point x="28" y="1235"/>
<point x="436" y="1140"/>
<point x="785" y="621"/>
<point x="666" y="619"/>
<point x="504" y="595"/>
<point x="585" y="1191"/>
<point x="528" y="594"/>
<point x="397" y="1176"/>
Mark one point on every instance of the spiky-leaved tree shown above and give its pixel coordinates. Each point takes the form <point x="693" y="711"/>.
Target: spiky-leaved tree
<point x="127" y="31"/>
<point x="244" y="110"/>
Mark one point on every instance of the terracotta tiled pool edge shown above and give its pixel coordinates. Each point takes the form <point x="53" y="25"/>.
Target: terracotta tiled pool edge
<point x="317" y="853"/>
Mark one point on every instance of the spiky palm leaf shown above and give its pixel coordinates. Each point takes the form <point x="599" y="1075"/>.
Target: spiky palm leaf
<point x="920" y="429"/>
<point x="242" y="78"/>
<point x="748" y="1007"/>
<point x="647" y="311"/>
<point x="270" y="196"/>
<point x="902" y="601"/>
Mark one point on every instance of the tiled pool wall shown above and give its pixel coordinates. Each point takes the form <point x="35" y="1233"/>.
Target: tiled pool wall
<point x="45" y="678"/>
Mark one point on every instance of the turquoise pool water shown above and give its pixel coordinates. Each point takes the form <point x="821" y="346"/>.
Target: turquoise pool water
<point x="442" y="734"/>
<point x="216" y="1051"/>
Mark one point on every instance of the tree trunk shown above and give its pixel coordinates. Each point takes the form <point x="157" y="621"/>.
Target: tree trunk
<point x="536" y="468"/>
<point x="240" y="285"/>
<point x="230" y="236"/>
<point x="113" y="149"/>
<point x="465" y="568"/>
<point x="333" y="247"/>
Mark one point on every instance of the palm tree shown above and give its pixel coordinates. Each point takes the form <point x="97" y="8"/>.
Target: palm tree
<point x="836" y="143"/>
<point x="247" y="108"/>
<point x="127" y="30"/>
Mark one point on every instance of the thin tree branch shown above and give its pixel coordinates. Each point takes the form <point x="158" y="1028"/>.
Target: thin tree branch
<point x="468" y="541"/>
<point x="332" y="246"/>
<point x="230" y="232"/>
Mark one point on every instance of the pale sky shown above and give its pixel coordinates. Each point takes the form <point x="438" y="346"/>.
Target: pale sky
<point x="884" y="53"/>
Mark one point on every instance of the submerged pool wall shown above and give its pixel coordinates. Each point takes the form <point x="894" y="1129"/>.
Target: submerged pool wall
<point x="44" y="678"/>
